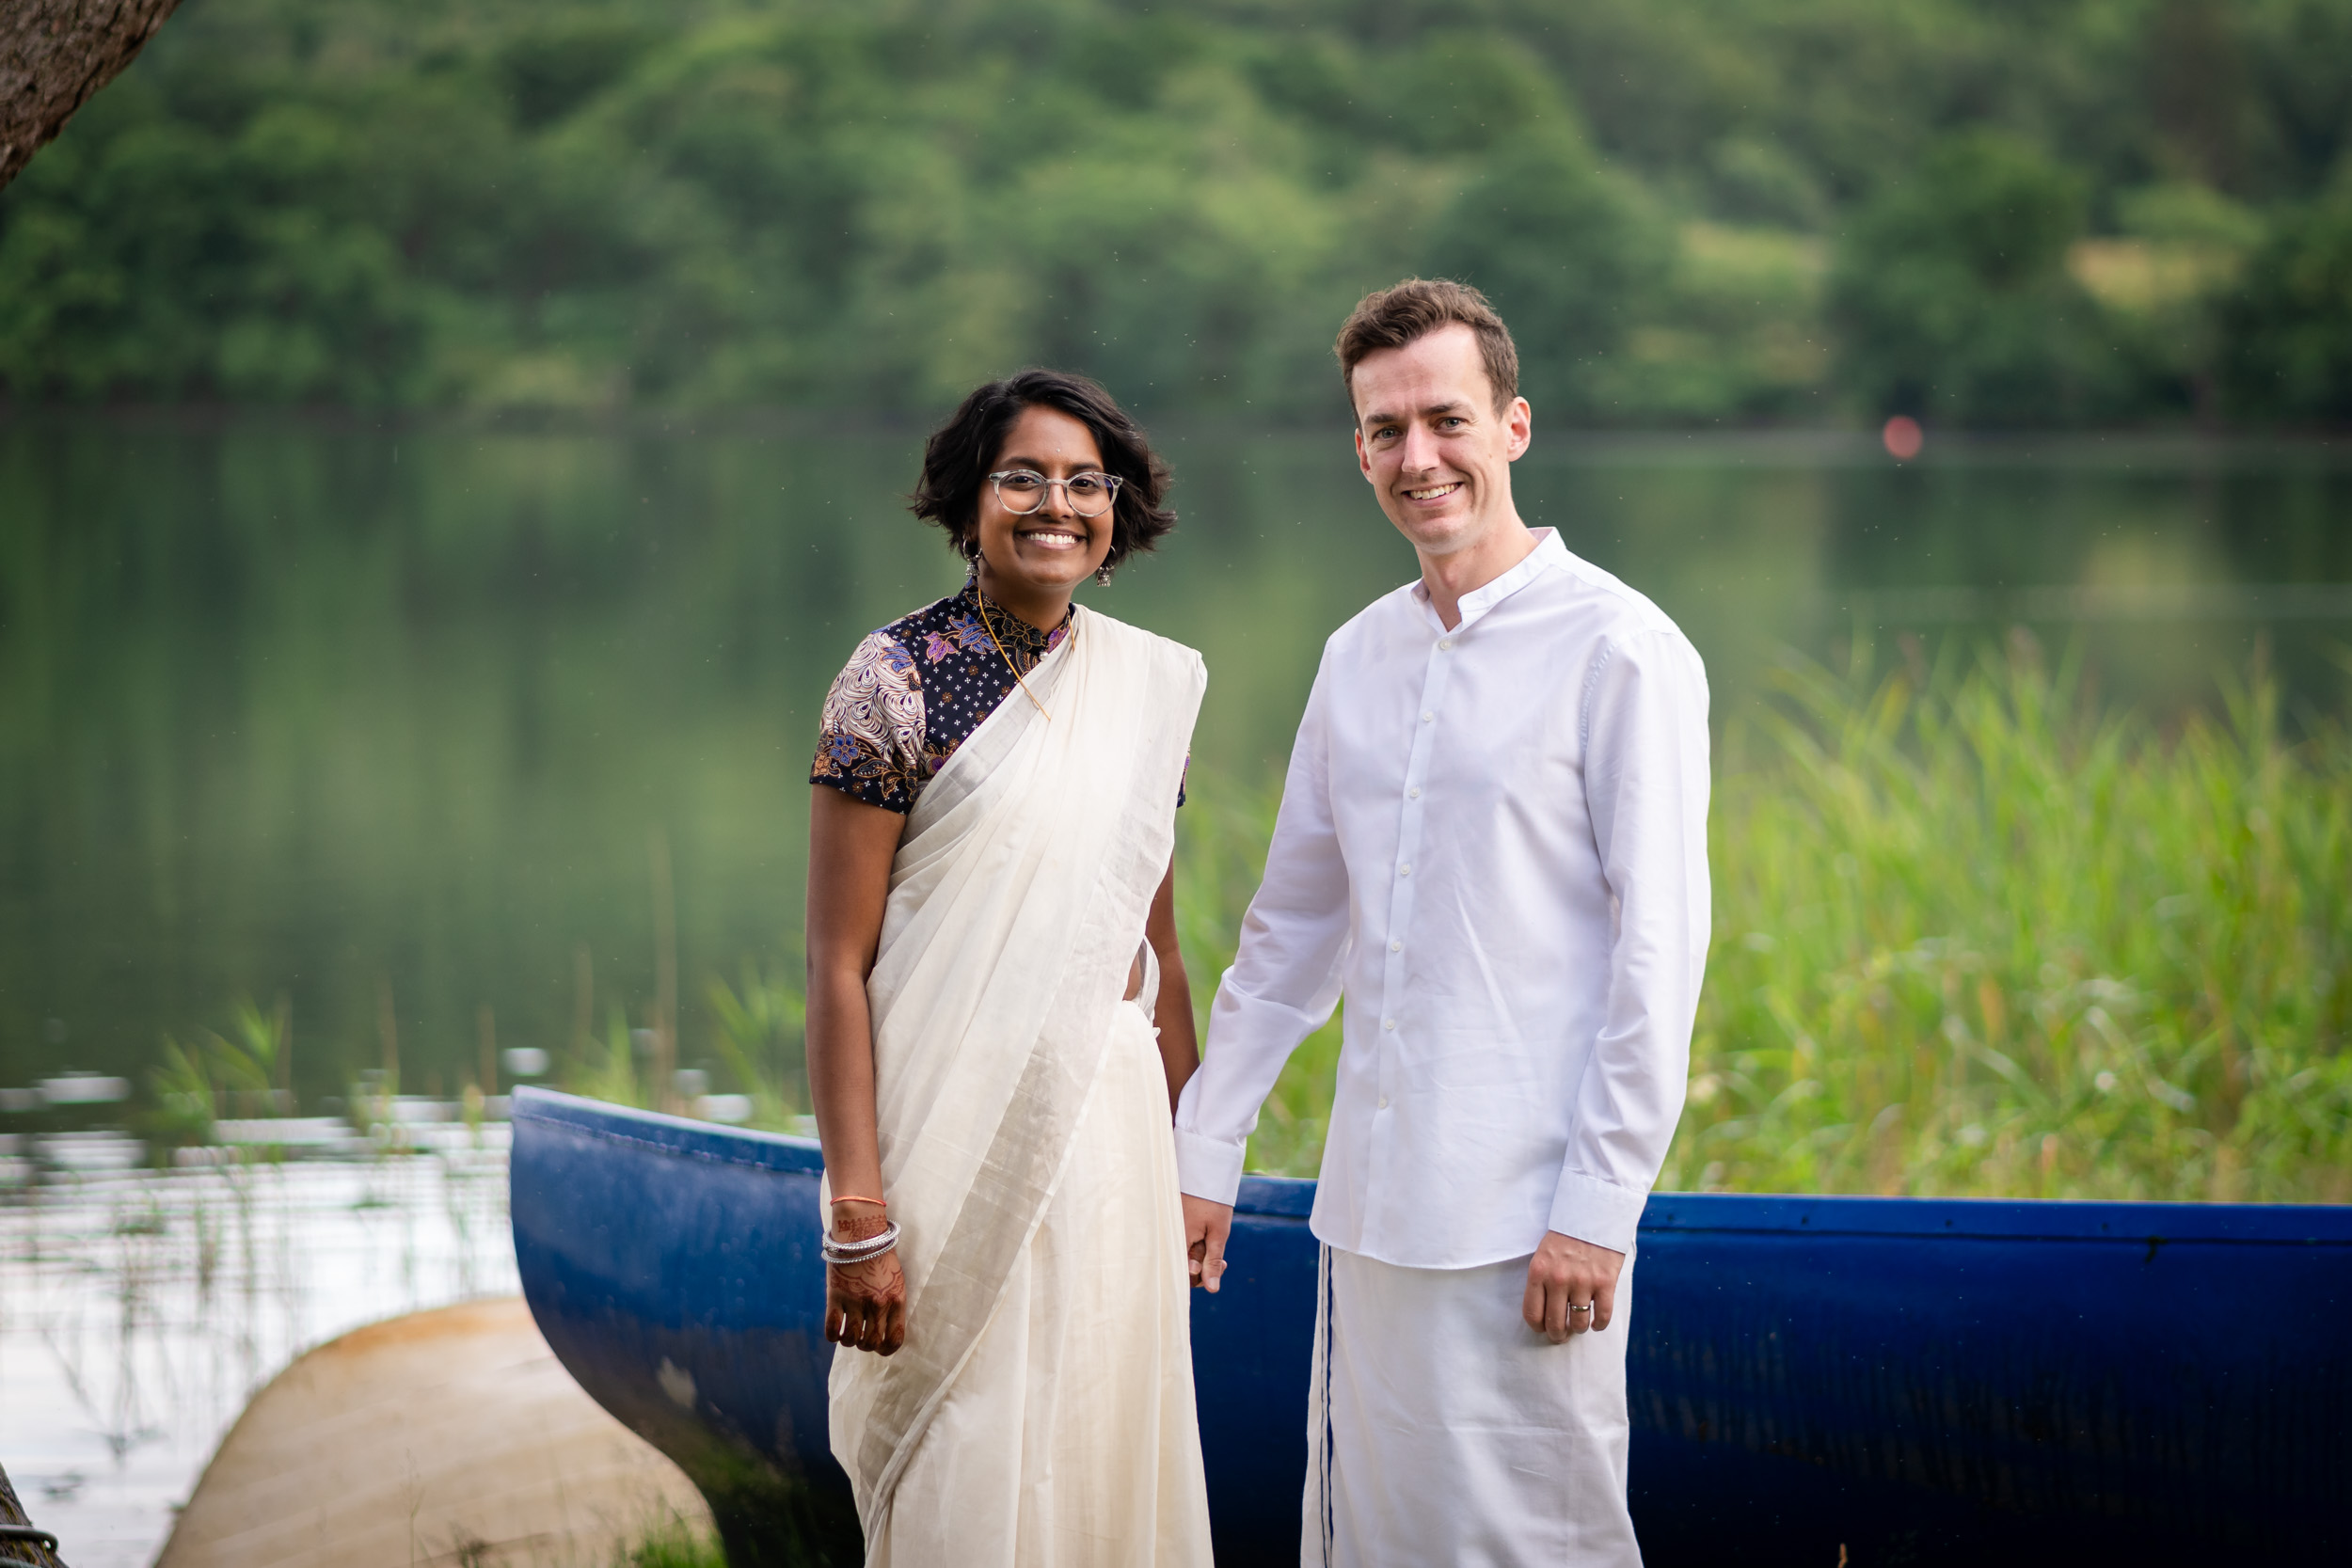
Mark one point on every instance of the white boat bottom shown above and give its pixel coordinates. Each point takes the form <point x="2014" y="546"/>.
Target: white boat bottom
<point x="445" y="1438"/>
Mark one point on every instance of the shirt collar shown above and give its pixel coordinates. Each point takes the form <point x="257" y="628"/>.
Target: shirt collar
<point x="1011" y="629"/>
<point x="1549" y="552"/>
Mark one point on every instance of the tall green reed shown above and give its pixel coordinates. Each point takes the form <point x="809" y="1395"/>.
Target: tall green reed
<point x="242" y="1072"/>
<point x="1975" y="934"/>
<point x="760" y="1041"/>
<point x="754" y="1037"/>
<point x="1221" y="838"/>
<point x="607" y="1068"/>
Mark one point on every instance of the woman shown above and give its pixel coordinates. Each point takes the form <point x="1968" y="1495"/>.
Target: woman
<point x="991" y="926"/>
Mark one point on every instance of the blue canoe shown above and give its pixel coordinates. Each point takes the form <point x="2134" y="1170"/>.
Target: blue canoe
<point x="1909" y="1381"/>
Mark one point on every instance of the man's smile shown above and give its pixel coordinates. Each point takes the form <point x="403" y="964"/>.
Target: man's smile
<point x="1434" y="492"/>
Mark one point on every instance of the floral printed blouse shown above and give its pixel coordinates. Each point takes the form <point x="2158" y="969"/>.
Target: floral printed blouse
<point x="915" y="690"/>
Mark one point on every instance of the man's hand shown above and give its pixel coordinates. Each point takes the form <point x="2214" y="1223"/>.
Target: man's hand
<point x="1571" y="1286"/>
<point x="1206" y="1226"/>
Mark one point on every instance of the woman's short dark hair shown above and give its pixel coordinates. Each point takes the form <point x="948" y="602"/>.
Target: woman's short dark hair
<point x="957" y="459"/>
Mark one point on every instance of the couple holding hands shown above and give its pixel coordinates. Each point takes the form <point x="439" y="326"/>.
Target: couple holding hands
<point x="1491" y="847"/>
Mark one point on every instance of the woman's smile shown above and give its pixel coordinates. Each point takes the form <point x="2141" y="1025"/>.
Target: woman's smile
<point x="1030" y="560"/>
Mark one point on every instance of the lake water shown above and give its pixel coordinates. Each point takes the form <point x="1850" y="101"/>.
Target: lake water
<point x="139" y="1310"/>
<point x="391" y="723"/>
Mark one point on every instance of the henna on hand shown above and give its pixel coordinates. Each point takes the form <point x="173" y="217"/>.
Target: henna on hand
<point x="865" y="1303"/>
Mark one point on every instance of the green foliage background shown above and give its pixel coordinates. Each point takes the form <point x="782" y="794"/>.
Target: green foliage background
<point x="1979" y="211"/>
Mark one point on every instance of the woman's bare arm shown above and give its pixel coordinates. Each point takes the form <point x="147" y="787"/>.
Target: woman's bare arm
<point x="1180" y="1043"/>
<point x="850" y="846"/>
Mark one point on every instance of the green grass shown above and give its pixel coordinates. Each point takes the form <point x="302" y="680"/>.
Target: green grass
<point x="1221" y="837"/>
<point x="1975" y="936"/>
<point x="757" y="1048"/>
<point x="674" y="1543"/>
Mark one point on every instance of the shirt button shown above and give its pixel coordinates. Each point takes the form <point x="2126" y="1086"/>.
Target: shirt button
<point x="1387" y="1024"/>
<point x="1426" y="715"/>
<point x="1384" y="1101"/>
<point x="1414" y="792"/>
<point x="1405" y="870"/>
<point x="1396" y="947"/>
<point x="1445" y="645"/>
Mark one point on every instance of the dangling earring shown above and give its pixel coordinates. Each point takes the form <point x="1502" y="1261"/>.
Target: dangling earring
<point x="1104" y="576"/>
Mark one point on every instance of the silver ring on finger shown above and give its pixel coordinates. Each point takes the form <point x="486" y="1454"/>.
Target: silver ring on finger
<point x="1585" y="1306"/>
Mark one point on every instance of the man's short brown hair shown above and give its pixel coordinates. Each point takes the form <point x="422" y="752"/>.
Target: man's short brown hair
<point x="1393" y="317"/>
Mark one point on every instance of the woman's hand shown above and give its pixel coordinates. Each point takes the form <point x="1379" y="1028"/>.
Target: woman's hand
<point x="865" y="1304"/>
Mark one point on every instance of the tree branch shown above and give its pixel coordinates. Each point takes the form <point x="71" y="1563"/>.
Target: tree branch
<point x="54" y="53"/>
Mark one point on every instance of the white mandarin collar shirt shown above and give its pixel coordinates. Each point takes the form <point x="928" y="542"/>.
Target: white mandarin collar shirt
<point x="1492" y="842"/>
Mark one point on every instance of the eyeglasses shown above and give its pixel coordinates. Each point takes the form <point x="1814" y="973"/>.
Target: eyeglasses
<point x="1023" y="490"/>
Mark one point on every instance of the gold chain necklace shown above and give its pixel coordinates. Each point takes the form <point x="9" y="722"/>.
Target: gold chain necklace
<point x="980" y="598"/>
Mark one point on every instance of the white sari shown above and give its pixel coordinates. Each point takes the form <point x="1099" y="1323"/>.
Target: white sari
<point x="1041" y="1412"/>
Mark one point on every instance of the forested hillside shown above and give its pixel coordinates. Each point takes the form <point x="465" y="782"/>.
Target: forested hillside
<point x="1986" y="212"/>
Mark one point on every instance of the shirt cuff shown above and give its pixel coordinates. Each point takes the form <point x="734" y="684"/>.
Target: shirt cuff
<point x="1208" y="1167"/>
<point x="1591" y="1210"/>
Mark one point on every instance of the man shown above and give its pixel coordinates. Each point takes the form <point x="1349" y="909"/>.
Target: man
<point x="1493" y="844"/>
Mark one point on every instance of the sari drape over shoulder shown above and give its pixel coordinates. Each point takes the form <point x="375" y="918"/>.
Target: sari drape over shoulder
<point x="1024" y="1141"/>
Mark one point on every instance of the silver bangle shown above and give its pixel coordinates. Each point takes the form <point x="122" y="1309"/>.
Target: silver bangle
<point x="842" y="1253"/>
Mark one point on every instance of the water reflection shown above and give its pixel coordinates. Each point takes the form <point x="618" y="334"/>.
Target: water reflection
<point x="382" y="722"/>
<point x="139" y="1310"/>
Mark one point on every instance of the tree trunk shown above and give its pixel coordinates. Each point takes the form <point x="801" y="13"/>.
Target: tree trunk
<point x="54" y="53"/>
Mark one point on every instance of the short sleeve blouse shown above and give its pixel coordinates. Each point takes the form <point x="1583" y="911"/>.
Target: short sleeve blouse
<point x="915" y="689"/>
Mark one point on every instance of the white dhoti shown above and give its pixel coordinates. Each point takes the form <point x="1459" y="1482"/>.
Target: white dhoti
<point x="1442" y="1429"/>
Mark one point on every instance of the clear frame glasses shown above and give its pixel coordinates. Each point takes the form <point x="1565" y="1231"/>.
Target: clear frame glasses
<point x="1023" y="490"/>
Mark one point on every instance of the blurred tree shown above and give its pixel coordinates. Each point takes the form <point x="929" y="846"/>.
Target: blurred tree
<point x="1952" y="297"/>
<point x="2288" y="325"/>
<point x="2299" y="114"/>
<point x="534" y="207"/>
<point x="2197" y="91"/>
<point x="1573" y="257"/>
<point x="2180" y="248"/>
<point x="180" y="263"/>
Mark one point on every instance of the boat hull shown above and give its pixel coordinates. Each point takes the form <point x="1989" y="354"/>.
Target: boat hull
<point x="1913" y="1380"/>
